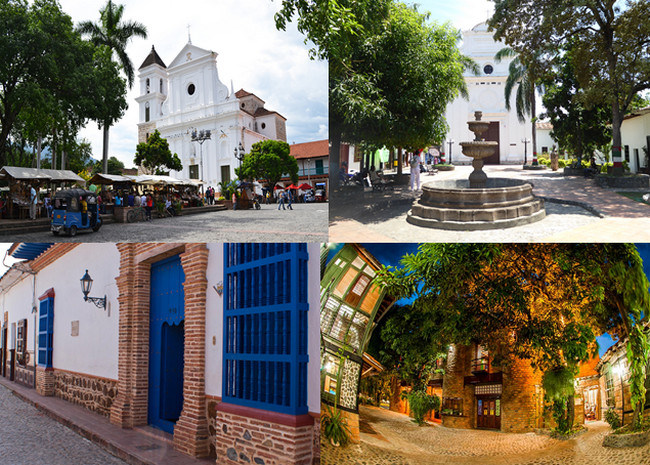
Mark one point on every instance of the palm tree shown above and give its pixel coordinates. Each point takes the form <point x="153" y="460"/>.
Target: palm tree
<point x="521" y="75"/>
<point x="114" y="34"/>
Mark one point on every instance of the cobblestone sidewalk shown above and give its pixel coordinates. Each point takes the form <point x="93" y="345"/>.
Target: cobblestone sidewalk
<point x="28" y="437"/>
<point x="398" y="441"/>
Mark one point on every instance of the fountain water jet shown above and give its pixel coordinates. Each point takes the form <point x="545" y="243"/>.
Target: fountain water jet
<point x="478" y="203"/>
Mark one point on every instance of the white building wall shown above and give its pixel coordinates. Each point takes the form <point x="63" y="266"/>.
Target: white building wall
<point x="634" y="134"/>
<point x="214" y="322"/>
<point x="18" y="301"/>
<point x="486" y="93"/>
<point x="313" y="367"/>
<point x="95" y="350"/>
<point x="544" y="139"/>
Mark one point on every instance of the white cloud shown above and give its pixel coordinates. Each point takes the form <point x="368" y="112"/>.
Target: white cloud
<point x="273" y="64"/>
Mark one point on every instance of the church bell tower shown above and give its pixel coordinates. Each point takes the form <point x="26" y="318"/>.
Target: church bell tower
<point x="153" y="93"/>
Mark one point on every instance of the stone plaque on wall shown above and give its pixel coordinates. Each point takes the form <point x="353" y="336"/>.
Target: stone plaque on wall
<point x="75" y="328"/>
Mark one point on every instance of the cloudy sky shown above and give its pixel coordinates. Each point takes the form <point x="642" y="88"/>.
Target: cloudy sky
<point x="463" y="14"/>
<point x="273" y="64"/>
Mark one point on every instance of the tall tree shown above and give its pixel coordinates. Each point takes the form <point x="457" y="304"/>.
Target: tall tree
<point x="114" y="34"/>
<point x="269" y="160"/>
<point x="155" y="157"/>
<point x="611" y="46"/>
<point x="576" y="127"/>
<point x="544" y="303"/>
<point x="522" y="77"/>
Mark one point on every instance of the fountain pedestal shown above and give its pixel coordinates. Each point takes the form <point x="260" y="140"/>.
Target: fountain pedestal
<point x="478" y="203"/>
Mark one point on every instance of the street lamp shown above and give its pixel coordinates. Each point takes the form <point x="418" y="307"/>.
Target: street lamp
<point x="308" y="170"/>
<point x="450" y="142"/>
<point x="525" y="141"/>
<point x="239" y="153"/>
<point x="200" y="137"/>
<point x="86" y="285"/>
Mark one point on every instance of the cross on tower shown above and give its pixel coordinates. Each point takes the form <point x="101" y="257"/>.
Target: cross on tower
<point x="189" y="37"/>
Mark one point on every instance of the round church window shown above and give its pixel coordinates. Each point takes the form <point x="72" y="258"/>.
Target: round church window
<point x="191" y="89"/>
<point x="488" y="69"/>
<point x="263" y="125"/>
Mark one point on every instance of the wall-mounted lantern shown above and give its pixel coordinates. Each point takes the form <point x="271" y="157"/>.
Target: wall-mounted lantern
<point x="86" y="286"/>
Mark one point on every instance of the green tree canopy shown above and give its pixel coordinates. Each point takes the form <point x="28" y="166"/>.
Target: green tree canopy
<point x="155" y="157"/>
<point x="576" y="127"/>
<point x="541" y="302"/>
<point x="115" y="166"/>
<point x="611" y="55"/>
<point x="269" y="160"/>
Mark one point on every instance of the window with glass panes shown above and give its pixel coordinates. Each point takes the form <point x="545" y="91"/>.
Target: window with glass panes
<point x="265" y="326"/>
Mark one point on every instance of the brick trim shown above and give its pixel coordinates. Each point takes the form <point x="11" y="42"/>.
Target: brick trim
<point x="47" y="294"/>
<point x="265" y="415"/>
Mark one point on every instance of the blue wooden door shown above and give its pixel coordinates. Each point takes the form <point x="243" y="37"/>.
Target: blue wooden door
<point x="166" y="332"/>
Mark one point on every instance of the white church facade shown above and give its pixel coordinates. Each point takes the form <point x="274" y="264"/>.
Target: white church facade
<point x="486" y="93"/>
<point x="187" y="96"/>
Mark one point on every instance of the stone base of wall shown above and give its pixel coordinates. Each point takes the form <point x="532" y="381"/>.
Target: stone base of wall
<point x="454" y="421"/>
<point x="45" y="381"/>
<point x="247" y="435"/>
<point x="95" y="394"/>
<point x="211" y="412"/>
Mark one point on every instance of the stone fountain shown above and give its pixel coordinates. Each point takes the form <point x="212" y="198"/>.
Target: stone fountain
<point x="477" y="203"/>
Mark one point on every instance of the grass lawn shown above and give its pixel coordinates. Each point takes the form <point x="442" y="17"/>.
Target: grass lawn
<point x="636" y="196"/>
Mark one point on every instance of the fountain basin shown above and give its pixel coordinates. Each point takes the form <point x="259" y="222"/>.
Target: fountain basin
<point x="479" y="149"/>
<point x="452" y="204"/>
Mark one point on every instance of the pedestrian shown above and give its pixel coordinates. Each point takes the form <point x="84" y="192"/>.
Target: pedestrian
<point x="143" y="202"/>
<point x="290" y="200"/>
<point x="234" y="201"/>
<point x="118" y="199"/>
<point x="415" y="171"/>
<point x="33" y="200"/>
<point x="149" y="205"/>
<point x="130" y="199"/>
<point x="281" y="199"/>
<point x="84" y="211"/>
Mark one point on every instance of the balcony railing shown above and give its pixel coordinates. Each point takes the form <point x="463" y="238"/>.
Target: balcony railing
<point x="313" y="171"/>
<point x="481" y="365"/>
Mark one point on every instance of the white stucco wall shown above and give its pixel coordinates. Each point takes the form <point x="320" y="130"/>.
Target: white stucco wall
<point x="634" y="133"/>
<point x="18" y="302"/>
<point x="544" y="139"/>
<point x="95" y="350"/>
<point x="313" y="368"/>
<point x="214" y="322"/>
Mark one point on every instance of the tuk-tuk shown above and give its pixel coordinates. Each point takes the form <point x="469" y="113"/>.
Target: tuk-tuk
<point x="320" y="194"/>
<point x="69" y="215"/>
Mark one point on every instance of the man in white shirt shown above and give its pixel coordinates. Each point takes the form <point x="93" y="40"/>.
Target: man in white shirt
<point x="415" y="170"/>
<point x="33" y="200"/>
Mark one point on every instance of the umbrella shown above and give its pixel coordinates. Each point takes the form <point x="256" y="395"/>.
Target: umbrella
<point x="278" y="186"/>
<point x="304" y="186"/>
<point x="292" y="187"/>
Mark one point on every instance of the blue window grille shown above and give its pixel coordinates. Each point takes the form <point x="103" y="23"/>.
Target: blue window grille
<point x="265" y="326"/>
<point x="45" y="330"/>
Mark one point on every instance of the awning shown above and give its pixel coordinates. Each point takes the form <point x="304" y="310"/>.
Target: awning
<point x="27" y="174"/>
<point x="29" y="251"/>
<point x="100" y="178"/>
<point x="151" y="180"/>
<point x="304" y="186"/>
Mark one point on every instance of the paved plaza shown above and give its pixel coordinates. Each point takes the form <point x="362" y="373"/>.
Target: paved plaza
<point x="305" y="223"/>
<point x="392" y="438"/>
<point x="29" y="437"/>
<point x="576" y="211"/>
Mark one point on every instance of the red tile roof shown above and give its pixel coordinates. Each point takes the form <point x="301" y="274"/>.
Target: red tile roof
<point x="319" y="148"/>
<point x="152" y="59"/>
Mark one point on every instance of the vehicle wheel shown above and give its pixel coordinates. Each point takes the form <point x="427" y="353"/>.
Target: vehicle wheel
<point x="73" y="231"/>
<point x="130" y="216"/>
<point x="56" y="233"/>
<point x="96" y="227"/>
<point x="257" y="206"/>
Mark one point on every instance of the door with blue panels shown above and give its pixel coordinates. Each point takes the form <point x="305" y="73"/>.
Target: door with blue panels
<point x="166" y="343"/>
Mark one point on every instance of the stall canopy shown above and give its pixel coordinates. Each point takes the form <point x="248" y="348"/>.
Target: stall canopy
<point x="33" y="174"/>
<point x="100" y="178"/>
<point x="304" y="186"/>
<point x="151" y="180"/>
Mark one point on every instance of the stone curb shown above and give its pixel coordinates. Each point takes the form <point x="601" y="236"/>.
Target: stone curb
<point x="575" y="203"/>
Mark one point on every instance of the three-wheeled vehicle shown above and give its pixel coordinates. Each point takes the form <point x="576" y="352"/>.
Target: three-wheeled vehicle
<point x="320" y="194"/>
<point x="69" y="215"/>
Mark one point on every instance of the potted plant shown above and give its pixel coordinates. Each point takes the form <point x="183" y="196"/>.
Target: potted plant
<point x="334" y="427"/>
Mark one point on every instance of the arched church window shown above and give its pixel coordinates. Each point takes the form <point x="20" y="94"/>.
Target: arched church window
<point x="147" y="85"/>
<point x="263" y="125"/>
<point x="191" y="89"/>
<point x="243" y="105"/>
<point x="146" y="112"/>
<point x="488" y="69"/>
<point x="161" y="84"/>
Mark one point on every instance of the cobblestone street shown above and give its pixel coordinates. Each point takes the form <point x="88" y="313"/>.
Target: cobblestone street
<point x="305" y="223"/>
<point x="398" y="441"/>
<point x="29" y="437"/>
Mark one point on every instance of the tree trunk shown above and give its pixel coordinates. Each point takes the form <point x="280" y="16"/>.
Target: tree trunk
<point x="571" y="411"/>
<point x="533" y="111"/>
<point x="335" y="159"/>
<point x="105" y="149"/>
<point x="617" y="143"/>
<point x="39" y="143"/>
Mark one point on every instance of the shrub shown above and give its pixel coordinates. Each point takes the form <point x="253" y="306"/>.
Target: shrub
<point x="421" y="404"/>
<point x="334" y="427"/>
<point x="612" y="418"/>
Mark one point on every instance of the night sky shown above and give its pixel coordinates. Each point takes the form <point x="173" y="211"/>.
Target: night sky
<point x="391" y="254"/>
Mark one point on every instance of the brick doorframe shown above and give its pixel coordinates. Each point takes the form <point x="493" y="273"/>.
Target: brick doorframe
<point x="133" y="283"/>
